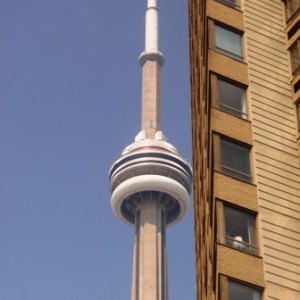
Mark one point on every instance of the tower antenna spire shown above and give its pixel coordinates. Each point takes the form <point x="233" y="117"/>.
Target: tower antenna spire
<point x="151" y="28"/>
<point x="150" y="183"/>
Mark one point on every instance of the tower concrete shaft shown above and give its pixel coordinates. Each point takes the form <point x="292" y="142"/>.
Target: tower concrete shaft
<point x="151" y="98"/>
<point x="149" y="263"/>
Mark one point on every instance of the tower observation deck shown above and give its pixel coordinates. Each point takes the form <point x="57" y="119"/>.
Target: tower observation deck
<point x="150" y="182"/>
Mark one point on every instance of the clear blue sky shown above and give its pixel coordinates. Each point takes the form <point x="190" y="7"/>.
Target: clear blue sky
<point x="70" y="90"/>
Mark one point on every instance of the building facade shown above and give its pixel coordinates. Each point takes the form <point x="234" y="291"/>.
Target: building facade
<point x="245" y="90"/>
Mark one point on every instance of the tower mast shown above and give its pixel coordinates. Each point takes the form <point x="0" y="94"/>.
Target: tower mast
<point x="151" y="61"/>
<point x="150" y="183"/>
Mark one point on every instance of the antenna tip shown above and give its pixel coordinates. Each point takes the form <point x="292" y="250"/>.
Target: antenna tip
<point x="152" y="3"/>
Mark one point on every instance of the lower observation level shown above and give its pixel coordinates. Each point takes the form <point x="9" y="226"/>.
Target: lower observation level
<point x="150" y="187"/>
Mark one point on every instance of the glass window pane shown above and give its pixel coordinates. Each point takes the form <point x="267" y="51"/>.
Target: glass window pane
<point x="240" y="229"/>
<point x="295" y="56"/>
<point x="228" y="42"/>
<point x="292" y="6"/>
<point x="298" y="113"/>
<point x="232" y="3"/>
<point x="235" y="160"/>
<point x="239" y="291"/>
<point x="231" y="98"/>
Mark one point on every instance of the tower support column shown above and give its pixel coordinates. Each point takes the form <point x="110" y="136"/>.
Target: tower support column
<point x="149" y="266"/>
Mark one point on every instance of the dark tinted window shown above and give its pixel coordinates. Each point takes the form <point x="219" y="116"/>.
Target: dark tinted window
<point x="235" y="160"/>
<point x="295" y="57"/>
<point x="240" y="229"/>
<point x="231" y="98"/>
<point x="239" y="291"/>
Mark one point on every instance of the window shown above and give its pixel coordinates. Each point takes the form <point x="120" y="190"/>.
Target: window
<point x="298" y="113"/>
<point x="291" y="7"/>
<point x="233" y="290"/>
<point x="239" y="229"/>
<point x="228" y="42"/>
<point x="238" y="291"/>
<point x="295" y="57"/>
<point x="233" y="3"/>
<point x="296" y="86"/>
<point x="231" y="98"/>
<point x="235" y="160"/>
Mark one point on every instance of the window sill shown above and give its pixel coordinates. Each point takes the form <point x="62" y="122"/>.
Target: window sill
<point x="236" y="178"/>
<point x="223" y="54"/>
<point x="236" y="174"/>
<point x="242" y="251"/>
<point x="229" y="54"/>
<point x="245" y="116"/>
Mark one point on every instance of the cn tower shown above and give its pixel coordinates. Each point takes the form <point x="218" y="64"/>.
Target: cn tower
<point x="150" y="182"/>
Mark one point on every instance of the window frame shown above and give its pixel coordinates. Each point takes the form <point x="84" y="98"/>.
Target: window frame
<point x="215" y="96"/>
<point x="289" y="12"/>
<point x="218" y="159"/>
<point x="252" y="247"/>
<point x="297" y="107"/>
<point x="295" y="67"/>
<point x="224" y="282"/>
<point x="225" y="51"/>
<point x="237" y="4"/>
